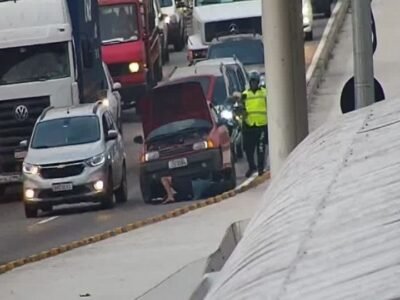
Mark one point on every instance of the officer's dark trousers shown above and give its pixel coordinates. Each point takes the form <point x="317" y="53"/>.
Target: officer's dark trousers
<point x="254" y="140"/>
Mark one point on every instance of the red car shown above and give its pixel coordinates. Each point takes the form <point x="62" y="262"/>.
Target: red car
<point x="182" y="138"/>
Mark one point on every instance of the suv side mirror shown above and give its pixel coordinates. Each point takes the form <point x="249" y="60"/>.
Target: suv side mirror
<point x="24" y="144"/>
<point x="138" y="140"/>
<point x="112" y="135"/>
<point x="117" y="86"/>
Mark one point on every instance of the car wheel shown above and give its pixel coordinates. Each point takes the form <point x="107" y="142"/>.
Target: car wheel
<point x="309" y="36"/>
<point x="122" y="193"/>
<point x="239" y="150"/>
<point x="231" y="177"/>
<point x="31" y="211"/>
<point x="146" y="192"/>
<point x="109" y="199"/>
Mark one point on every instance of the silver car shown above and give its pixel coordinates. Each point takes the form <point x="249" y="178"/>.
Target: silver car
<point x="75" y="155"/>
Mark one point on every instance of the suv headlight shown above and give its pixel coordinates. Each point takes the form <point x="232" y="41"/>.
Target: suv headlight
<point x="134" y="67"/>
<point x="203" y="145"/>
<point x="30" y="169"/>
<point x="152" y="155"/>
<point x="227" y="114"/>
<point x="96" y="161"/>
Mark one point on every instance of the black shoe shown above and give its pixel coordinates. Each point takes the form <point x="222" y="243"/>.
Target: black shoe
<point x="249" y="173"/>
<point x="261" y="172"/>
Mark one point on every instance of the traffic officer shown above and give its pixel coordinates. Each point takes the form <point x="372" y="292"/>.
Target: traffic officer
<point x="255" y="125"/>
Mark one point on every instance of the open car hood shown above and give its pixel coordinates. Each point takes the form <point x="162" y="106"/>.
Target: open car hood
<point x="172" y="102"/>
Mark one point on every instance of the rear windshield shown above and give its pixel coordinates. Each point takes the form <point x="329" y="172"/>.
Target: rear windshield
<point x="219" y="93"/>
<point x="66" y="132"/>
<point x="249" y="52"/>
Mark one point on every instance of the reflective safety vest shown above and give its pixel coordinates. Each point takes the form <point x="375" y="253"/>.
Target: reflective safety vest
<point x="256" y="107"/>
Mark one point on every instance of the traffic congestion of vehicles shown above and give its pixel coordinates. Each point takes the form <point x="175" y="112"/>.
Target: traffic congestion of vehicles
<point x="68" y="75"/>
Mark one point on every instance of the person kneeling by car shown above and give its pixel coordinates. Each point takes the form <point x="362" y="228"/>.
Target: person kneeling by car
<point x="183" y="189"/>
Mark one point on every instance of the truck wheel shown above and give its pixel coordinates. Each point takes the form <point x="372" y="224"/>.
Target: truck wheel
<point x="121" y="194"/>
<point x="166" y="55"/>
<point x="158" y="72"/>
<point x="31" y="211"/>
<point x="109" y="199"/>
<point x="180" y="43"/>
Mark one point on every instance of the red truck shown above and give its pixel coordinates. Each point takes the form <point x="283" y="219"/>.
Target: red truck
<point x="131" y="46"/>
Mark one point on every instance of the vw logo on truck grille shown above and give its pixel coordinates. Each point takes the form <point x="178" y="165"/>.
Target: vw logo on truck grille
<point x="21" y="113"/>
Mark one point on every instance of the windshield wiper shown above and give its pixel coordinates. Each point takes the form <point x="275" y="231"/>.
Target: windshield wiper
<point x="119" y="40"/>
<point x="113" y="41"/>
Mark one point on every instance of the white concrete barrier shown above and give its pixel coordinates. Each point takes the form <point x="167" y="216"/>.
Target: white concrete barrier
<point x="329" y="224"/>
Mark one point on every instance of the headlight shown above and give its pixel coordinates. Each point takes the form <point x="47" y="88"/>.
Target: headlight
<point x="134" y="67"/>
<point x="227" y="114"/>
<point x="96" y="161"/>
<point x="153" y="155"/>
<point x="167" y="19"/>
<point x="203" y="145"/>
<point x="105" y="102"/>
<point x="30" y="169"/>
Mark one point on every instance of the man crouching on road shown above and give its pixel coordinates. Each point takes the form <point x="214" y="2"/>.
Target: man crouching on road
<point x="183" y="189"/>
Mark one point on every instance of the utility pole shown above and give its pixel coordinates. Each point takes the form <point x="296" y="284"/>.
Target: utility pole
<point x="285" y="75"/>
<point x="363" y="54"/>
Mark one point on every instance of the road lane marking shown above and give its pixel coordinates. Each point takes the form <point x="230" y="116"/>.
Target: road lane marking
<point x="47" y="220"/>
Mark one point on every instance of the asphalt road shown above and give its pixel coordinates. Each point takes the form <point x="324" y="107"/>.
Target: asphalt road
<point x="22" y="237"/>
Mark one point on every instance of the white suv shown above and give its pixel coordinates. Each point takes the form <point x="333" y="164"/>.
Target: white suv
<point x="308" y="20"/>
<point x="76" y="154"/>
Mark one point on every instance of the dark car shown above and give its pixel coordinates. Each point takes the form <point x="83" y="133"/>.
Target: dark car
<point x="182" y="138"/>
<point x="323" y="7"/>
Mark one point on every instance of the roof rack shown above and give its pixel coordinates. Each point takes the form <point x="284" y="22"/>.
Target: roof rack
<point x="44" y="112"/>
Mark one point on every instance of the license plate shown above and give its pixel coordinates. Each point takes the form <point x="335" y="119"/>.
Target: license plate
<point x="177" y="163"/>
<point x="20" y="154"/>
<point x="62" y="187"/>
<point x="10" y="178"/>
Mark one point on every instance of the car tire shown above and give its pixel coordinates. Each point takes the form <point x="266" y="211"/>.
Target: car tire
<point x="309" y="36"/>
<point x="231" y="177"/>
<point x="239" y="150"/>
<point x="31" y="211"/>
<point x="108" y="201"/>
<point x="146" y="191"/>
<point x="121" y="194"/>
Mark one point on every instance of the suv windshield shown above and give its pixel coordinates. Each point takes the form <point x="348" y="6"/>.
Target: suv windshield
<point x="66" y="132"/>
<point x="249" y="52"/>
<point x="118" y="23"/>
<point x="165" y="3"/>
<point x="34" y="63"/>
<point x="209" y="2"/>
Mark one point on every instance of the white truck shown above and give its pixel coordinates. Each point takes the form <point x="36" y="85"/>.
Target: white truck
<point x="50" y="54"/>
<point x="214" y="18"/>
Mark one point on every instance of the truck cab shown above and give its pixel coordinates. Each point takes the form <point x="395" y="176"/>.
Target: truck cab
<point x="220" y="18"/>
<point x="47" y="59"/>
<point x="131" y="46"/>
